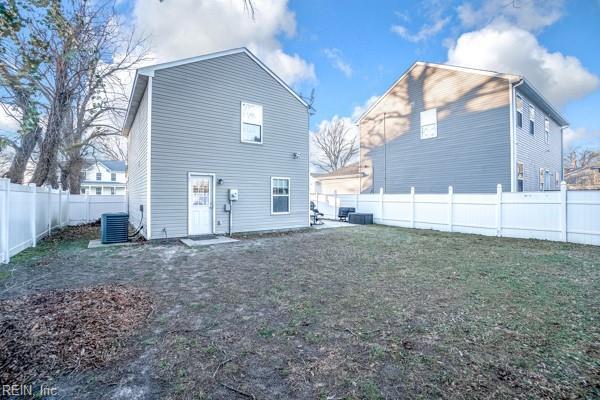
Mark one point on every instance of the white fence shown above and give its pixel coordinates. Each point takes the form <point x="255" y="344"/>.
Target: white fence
<point x="570" y="216"/>
<point x="28" y="213"/>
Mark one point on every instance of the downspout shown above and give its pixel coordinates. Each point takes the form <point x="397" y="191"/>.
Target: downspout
<point x="513" y="135"/>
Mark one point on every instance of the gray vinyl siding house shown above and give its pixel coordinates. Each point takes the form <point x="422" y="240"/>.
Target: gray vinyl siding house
<point x="202" y="126"/>
<point x="441" y="126"/>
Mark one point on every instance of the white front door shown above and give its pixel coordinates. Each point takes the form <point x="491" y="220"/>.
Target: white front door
<point x="200" y="198"/>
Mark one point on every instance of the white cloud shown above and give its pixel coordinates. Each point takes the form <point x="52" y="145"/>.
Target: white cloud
<point x="581" y="138"/>
<point x="360" y="109"/>
<point x="526" y="14"/>
<point x="335" y="57"/>
<point x="506" y="48"/>
<point x="187" y="28"/>
<point x="424" y="33"/>
<point x="8" y="125"/>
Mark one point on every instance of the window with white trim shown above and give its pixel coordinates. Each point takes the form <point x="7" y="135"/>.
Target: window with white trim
<point x="429" y="124"/>
<point x="531" y="120"/>
<point x="546" y="130"/>
<point x="113" y="176"/>
<point x="520" y="176"/>
<point x="280" y="195"/>
<point x="252" y="123"/>
<point x="82" y="190"/>
<point x="542" y="178"/>
<point x="98" y="176"/>
<point x="112" y="191"/>
<point x="519" y="112"/>
<point x="557" y="179"/>
<point x="98" y="190"/>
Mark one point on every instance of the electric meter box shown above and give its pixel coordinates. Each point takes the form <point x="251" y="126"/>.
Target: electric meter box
<point x="233" y="194"/>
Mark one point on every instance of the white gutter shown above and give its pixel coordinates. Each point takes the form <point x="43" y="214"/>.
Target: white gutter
<point x="513" y="136"/>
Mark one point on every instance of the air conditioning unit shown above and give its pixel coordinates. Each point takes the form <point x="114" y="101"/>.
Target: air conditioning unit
<point x="114" y="227"/>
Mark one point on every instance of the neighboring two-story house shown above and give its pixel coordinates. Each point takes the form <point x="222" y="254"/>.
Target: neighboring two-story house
<point x="441" y="125"/>
<point x="104" y="177"/>
<point x="216" y="144"/>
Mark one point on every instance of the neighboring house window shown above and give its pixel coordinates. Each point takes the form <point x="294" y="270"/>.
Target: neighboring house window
<point x="112" y="191"/>
<point x="252" y="123"/>
<point x="520" y="175"/>
<point x="531" y="119"/>
<point x="541" y="178"/>
<point x="429" y="124"/>
<point x="519" y="112"/>
<point x="82" y="190"/>
<point x="546" y="130"/>
<point x="98" y="176"/>
<point x="113" y="176"/>
<point x="557" y="179"/>
<point x="280" y="195"/>
<point x="98" y="190"/>
<point x="83" y="175"/>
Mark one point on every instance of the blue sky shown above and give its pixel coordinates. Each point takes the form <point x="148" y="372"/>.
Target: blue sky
<point x="366" y="43"/>
<point x="352" y="50"/>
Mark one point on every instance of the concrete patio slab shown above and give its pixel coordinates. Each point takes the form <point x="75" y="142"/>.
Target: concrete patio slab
<point x="329" y="223"/>
<point x="96" y="243"/>
<point x="208" y="242"/>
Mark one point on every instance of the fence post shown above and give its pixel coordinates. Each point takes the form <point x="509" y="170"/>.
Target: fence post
<point x="87" y="208"/>
<point x="5" y="186"/>
<point x="412" y="207"/>
<point x="59" y="208"/>
<point x="33" y="214"/>
<point x="335" y="213"/>
<point x="499" y="210"/>
<point x="381" y="205"/>
<point x="356" y="202"/>
<point x="68" y="204"/>
<point x="563" y="211"/>
<point x="450" y="207"/>
<point x="49" y="189"/>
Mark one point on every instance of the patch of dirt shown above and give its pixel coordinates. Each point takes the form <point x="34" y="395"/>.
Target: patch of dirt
<point x="45" y="334"/>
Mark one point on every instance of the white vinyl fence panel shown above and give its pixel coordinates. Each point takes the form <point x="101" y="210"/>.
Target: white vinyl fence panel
<point x="572" y="216"/>
<point x="28" y="213"/>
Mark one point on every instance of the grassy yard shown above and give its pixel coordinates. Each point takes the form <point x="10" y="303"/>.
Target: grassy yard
<point x="364" y="312"/>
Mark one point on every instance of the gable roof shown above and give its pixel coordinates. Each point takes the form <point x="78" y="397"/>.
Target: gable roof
<point x="529" y="90"/>
<point x="114" y="165"/>
<point x="142" y="74"/>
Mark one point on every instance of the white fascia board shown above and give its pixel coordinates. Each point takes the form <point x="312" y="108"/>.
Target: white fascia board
<point x="149" y="71"/>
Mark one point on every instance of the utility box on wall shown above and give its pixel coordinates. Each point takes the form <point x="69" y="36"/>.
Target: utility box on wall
<point x="233" y="194"/>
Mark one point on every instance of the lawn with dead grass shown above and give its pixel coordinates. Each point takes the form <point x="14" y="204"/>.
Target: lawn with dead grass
<point x="366" y="312"/>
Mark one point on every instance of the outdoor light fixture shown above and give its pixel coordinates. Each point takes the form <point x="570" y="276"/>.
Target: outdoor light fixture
<point x="296" y="155"/>
<point x="219" y="181"/>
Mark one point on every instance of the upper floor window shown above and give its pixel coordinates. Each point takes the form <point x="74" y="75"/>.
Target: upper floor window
<point x="82" y="175"/>
<point x="546" y="130"/>
<point x="113" y="176"/>
<point x="519" y="112"/>
<point x="429" y="124"/>
<point x="531" y="119"/>
<point x="252" y="123"/>
<point x="98" y="176"/>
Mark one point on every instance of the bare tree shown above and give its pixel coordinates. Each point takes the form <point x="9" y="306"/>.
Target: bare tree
<point x="334" y="145"/>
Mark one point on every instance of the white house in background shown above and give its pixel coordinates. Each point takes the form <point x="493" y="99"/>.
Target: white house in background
<point x="104" y="177"/>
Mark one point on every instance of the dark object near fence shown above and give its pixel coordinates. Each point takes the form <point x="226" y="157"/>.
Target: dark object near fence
<point x="360" y="218"/>
<point x="114" y="227"/>
<point x="344" y="211"/>
<point x="316" y="216"/>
